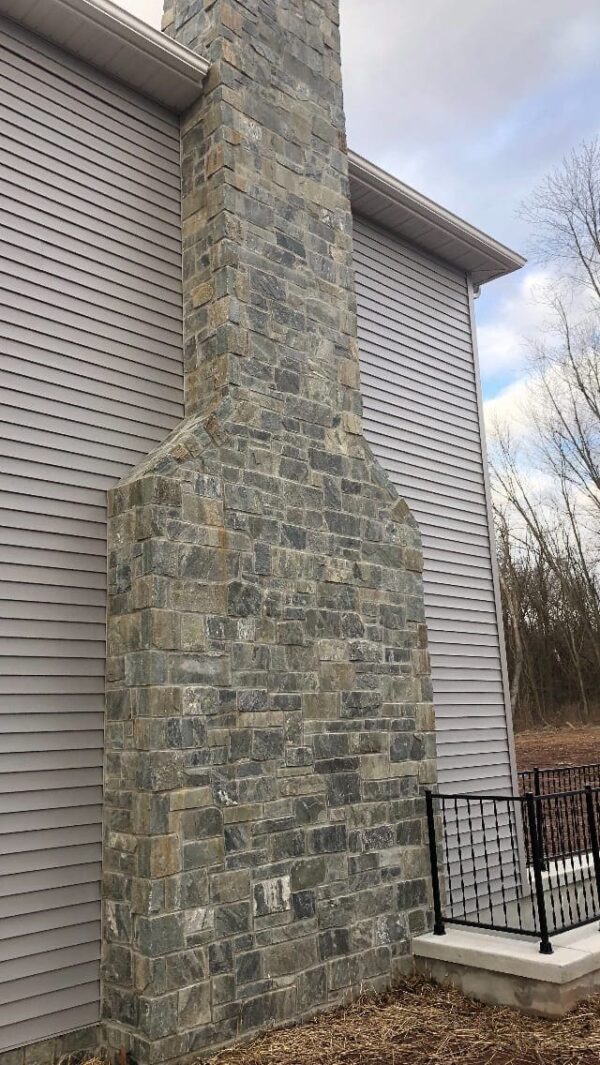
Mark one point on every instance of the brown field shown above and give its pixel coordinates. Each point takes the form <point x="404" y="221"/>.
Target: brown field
<point x="542" y="748"/>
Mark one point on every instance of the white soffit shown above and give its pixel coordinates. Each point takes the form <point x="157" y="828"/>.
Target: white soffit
<point x="113" y="41"/>
<point x="381" y="198"/>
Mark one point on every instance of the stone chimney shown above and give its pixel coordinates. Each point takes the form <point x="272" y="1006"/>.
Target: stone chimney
<point x="269" y="718"/>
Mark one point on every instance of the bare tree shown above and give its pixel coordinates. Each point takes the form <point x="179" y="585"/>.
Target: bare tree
<point x="547" y="500"/>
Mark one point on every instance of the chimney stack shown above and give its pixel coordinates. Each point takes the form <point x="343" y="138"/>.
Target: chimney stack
<point x="269" y="717"/>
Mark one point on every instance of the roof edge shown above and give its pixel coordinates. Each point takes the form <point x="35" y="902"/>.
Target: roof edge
<point x="141" y="35"/>
<point x="496" y="259"/>
<point x="147" y="53"/>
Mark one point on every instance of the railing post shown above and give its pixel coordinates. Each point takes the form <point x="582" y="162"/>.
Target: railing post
<point x="545" y="944"/>
<point x="537" y="788"/>
<point x="593" y="827"/>
<point x="438" y="925"/>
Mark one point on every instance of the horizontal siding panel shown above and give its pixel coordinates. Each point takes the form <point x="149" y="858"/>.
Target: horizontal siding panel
<point x="23" y="666"/>
<point x="112" y="274"/>
<point x="384" y="412"/>
<point x="82" y="438"/>
<point x="54" y="614"/>
<point x="54" y="740"/>
<point x="398" y="259"/>
<point x="40" y="556"/>
<point x="48" y="779"/>
<point x="423" y="403"/>
<point x="48" y="1003"/>
<point x="48" y="899"/>
<point x="39" y="860"/>
<point x="32" y="526"/>
<point x="48" y="703"/>
<point x="59" y="212"/>
<point x="49" y="961"/>
<point x="385" y="288"/>
<point x="40" y="575"/>
<point x="50" y="722"/>
<point x="452" y="469"/>
<point x="433" y="318"/>
<point x="421" y="416"/>
<point x="80" y="317"/>
<point x="403" y="276"/>
<point x="44" y="1027"/>
<point x="74" y="185"/>
<point x="51" y="798"/>
<point x="43" y="684"/>
<point x="50" y="595"/>
<point x="69" y="877"/>
<point x="32" y="628"/>
<point x="71" y="976"/>
<point x="400" y="370"/>
<point x="51" y="102"/>
<point x="413" y="331"/>
<point x="28" y="843"/>
<point x="415" y="315"/>
<point x="20" y="391"/>
<point x="62" y="817"/>
<point x="32" y="538"/>
<point x="42" y="458"/>
<point x="25" y="228"/>
<point x="163" y="378"/>
<point x="166" y="402"/>
<point x="135" y="154"/>
<point x="91" y="380"/>
<point x="51" y="496"/>
<point x="418" y="445"/>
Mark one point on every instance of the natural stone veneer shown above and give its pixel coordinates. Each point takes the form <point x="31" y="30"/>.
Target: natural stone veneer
<point x="269" y="721"/>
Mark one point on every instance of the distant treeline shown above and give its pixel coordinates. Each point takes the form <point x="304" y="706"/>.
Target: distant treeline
<point x="546" y="467"/>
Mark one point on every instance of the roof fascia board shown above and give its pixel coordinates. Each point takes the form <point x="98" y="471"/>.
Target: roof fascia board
<point x="496" y="258"/>
<point x="146" y="49"/>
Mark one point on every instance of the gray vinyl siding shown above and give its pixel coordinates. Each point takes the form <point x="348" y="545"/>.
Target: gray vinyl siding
<point x="91" y="380"/>
<point x="422" y="418"/>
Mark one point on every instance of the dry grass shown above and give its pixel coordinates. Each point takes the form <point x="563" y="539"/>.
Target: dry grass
<point x="421" y="1024"/>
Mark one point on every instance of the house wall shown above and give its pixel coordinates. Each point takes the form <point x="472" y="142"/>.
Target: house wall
<point x="91" y="379"/>
<point x="420" y="387"/>
<point x="91" y="373"/>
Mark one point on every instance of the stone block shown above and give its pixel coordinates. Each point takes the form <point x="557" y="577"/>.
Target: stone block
<point x="194" y="1006"/>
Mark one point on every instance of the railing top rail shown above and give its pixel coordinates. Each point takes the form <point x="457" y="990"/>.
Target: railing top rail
<point x="558" y="768"/>
<point x="475" y="797"/>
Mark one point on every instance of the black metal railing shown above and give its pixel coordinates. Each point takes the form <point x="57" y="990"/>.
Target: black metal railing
<point x="561" y="778"/>
<point x="526" y="864"/>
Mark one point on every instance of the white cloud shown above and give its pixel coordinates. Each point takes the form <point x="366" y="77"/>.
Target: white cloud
<point x="517" y="319"/>
<point x="510" y="409"/>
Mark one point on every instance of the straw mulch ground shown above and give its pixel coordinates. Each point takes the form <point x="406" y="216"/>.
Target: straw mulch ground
<point x="421" y="1024"/>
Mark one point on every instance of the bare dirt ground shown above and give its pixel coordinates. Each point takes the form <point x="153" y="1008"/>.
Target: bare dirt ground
<point x="553" y="747"/>
<point x="420" y="1024"/>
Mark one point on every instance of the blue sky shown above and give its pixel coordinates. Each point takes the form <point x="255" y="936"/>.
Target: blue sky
<point x="472" y="102"/>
